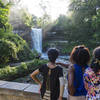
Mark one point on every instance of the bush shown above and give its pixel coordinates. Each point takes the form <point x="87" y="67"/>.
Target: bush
<point x="16" y="39"/>
<point x="7" y="50"/>
<point x="23" y="51"/>
<point x="25" y="54"/>
<point x="11" y="73"/>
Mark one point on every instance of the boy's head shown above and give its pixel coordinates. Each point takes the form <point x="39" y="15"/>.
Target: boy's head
<point x="80" y="55"/>
<point x="53" y="54"/>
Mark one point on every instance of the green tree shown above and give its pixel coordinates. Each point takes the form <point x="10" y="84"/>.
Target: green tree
<point x="27" y="18"/>
<point x="4" y="12"/>
<point x="7" y="50"/>
<point x="83" y="25"/>
<point x="85" y="19"/>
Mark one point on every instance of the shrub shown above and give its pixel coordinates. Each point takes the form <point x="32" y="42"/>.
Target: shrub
<point x="23" y="51"/>
<point x="11" y="73"/>
<point x="7" y="50"/>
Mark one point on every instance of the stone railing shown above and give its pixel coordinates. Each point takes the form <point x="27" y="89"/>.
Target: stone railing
<point x="19" y="91"/>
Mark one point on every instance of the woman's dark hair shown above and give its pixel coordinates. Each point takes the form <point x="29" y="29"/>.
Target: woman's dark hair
<point x="53" y="54"/>
<point x="95" y="64"/>
<point x="80" y="55"/>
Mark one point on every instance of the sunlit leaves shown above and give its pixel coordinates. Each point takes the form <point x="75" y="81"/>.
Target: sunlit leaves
<point x="4" y="12"/>
<point x="7" y="50"/>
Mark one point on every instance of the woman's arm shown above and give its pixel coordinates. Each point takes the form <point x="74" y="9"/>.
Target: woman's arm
<point x="62" y="83"/>
<point x="71" y="87"/>
<point x="62" y="64"/>
<point x="33" y="76"/>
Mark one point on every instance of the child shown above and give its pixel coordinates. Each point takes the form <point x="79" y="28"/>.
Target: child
<point x="53" y="83"/>
<point x="92" y="77"/>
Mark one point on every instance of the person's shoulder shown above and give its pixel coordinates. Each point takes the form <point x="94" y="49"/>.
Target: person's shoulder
<point x="43" y="66"/>
<point x="59" y="71"/>
<point x="89" y="71"/>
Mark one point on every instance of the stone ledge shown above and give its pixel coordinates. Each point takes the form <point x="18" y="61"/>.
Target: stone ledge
<point x="19" y="91"/>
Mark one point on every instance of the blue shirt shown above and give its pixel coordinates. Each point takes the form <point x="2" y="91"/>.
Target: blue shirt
<point x="78" y="81"/>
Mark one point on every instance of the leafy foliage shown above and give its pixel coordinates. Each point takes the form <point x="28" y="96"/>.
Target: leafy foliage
<point x="26" y="18"/>
<point x="7" y="50"/>
<point x="83" y="24"/>
<point x="11" y="73"/>
<point x="12" y="47"/>
<point x="4" y="12"/>
<point x="15" y="48"/>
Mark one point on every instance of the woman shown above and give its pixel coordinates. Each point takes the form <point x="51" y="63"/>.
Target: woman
<point x="79" y="58"/>
<point x="92" y="77"/>
<point x="53" y="84"/>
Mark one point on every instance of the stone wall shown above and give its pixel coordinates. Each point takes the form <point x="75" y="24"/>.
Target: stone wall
<point x="54" y="39"/>
<point x="20" y="91"/>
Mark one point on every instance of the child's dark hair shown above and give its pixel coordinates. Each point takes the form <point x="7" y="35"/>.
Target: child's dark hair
<point x="80" y="55"/>
<point x="95" y="65"/>
<point x="53" y="54"/>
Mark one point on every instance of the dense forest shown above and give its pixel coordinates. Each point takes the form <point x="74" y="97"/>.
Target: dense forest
<point x="81" y="25"/>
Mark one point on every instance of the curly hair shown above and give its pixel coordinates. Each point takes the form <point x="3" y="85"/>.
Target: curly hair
<point x="80" y="55"/>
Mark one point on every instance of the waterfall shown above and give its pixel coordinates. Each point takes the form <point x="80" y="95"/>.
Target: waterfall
<point x="37" y="39"/>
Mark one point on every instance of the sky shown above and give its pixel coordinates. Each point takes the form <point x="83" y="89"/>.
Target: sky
<point x="53" y="7"/>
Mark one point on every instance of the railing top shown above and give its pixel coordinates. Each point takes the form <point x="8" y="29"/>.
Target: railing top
<point x="21" y="88"/>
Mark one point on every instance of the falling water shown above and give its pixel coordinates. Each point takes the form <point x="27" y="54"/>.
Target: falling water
<point x="37" y="39"/>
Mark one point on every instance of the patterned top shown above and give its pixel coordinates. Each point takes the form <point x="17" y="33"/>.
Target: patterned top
<point x="92" y="84"/>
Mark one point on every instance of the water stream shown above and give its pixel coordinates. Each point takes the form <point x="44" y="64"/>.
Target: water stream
<point x="37" y="39"/>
